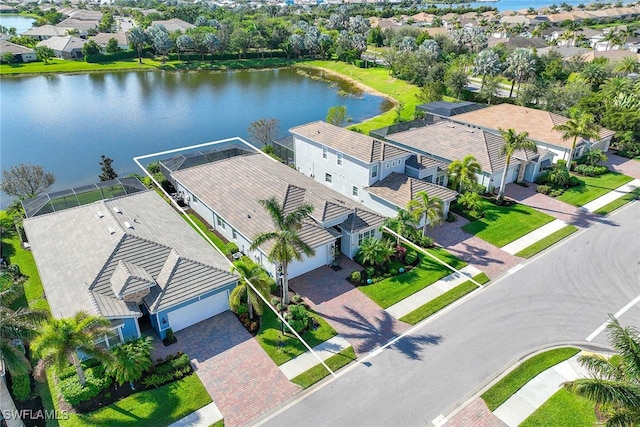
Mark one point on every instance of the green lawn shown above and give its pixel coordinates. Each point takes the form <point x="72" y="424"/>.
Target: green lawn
<point x="618" y="203"/>
<point x="502" y="225"/>
<point x="379" y="79"/>
<point x="394" y="289"/>
<point x="160" y="406"/>
<point x="550" y="240"/>
<point x="318" y="372"/>
<point x="444" y="300"/>
<point x="591" y="188"/>
<point x="63" y="66"/>
<point x="269" y="336"/>
<point x="563" y="409"/>
<point x="524" y="373"/>
<point x="214" y="238"/>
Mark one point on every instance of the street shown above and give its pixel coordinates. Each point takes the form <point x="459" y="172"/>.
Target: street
<point x="560" y="297"/>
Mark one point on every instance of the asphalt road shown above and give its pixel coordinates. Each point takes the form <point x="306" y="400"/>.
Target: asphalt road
<point x="560" y="296"/>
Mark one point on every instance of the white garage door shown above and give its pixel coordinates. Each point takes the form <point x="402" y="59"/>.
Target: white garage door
<point x="198" y="311"/>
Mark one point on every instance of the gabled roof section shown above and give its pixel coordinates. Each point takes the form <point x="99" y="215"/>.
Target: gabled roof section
<point x="129" y="278"/>
<point x="419" y="161"/>
<point x="353" y="144"/>
<point x="399" y="189"/>
<point x="448" y="109"/>
<point x="325" y="210"/>
<point x="63" y="44"/>
<point x="361" y="220"/>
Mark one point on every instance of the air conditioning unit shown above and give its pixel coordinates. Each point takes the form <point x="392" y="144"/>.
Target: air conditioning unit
<point x="237" y="255"/>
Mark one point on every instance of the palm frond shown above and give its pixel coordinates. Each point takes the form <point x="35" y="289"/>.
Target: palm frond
<point x="605" y="391"/>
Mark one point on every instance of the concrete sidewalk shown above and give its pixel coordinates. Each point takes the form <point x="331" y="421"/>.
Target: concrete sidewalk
<point x="533" y="237"/>
<point x="203" y="417"/>
<point x="306" y="360"/>
<point x="604" y="200"/>
<point x="537" y="391"/>
<point x="431" y="292"/>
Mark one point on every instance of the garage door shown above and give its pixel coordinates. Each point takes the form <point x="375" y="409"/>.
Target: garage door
<point x="198" y="311"/>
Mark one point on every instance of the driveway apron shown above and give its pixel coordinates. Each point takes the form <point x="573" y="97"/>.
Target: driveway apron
<point x="242" y="380"/>
<point x="358" y="319"/>
<point x="623" y="165"/>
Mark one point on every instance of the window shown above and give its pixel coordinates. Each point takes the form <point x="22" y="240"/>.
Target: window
<point x="220" y="222"/>
<point x="110" y="340"/>
<point x="387" y="165"/>
<point x="440" y="180"/>
<point x="195" y="199"/>
<point x="393" y="163"/>
<point x="365" y="235"/>
<point x="325" y="152"/>
<point x="339" y="159"/>
<point x="327" y="178"/>
<point x="354" y="191"/>
<point x="429" y="178"/>
<point x="234" y="233"/>
<point x="374" y="171"/>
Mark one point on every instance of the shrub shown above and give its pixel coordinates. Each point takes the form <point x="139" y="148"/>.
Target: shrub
<point x="242" y="308"/>
<point x="253" y="326"/>
<point x="156" y="380"/>
<point x="74" y="393"/>
<point x="296" y="298"/>
<point x="557" y="192"/>
<point x="543" y="189"/>
<point x="574" y="181"/>
<point x="542" y="178"/>
<point x="275" y="301"/>
<point x="451" y="217"/>
<point x="589" y="170"/>
<point x="279" y="306"/>
<point x="173" y="364"/>
<point x="21" y="387"/>
<point x="230" y="248"/>
<point x="426" y="241"/>
<point x="370" y="272"/>
<point x="411" y="256"/>
<point x="355" y="276"/>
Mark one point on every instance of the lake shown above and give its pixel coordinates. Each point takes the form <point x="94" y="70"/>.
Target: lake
<point x="65" y="122"/>
<point x="20" y="23"/>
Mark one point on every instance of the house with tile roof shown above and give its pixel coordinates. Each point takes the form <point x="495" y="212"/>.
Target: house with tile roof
<point x="132" y="260"/>
<point x="67" y="47"/>
<point x="362" y="167"/>
<point x="226" y="192"/>
<point x="45" y="32"/>
<point x="20" y="53"/>
<point x="175" y="24"/>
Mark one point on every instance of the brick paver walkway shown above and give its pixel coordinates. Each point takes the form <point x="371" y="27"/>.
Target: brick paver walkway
<point x="623" y="165"/>
<point x="242" y="380"/>
<point x="475" y="414"/>
<point x="358" y="319"/>
<point x="484" y="256"/>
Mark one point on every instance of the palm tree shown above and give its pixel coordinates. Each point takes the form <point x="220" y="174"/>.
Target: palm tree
<point x="138" y="38"/>
<point x="21" y="324"/>
<point x="627" y="65"/>
<point x="512" y="141"/>
<point x="595" y="73"/>
<point x="249" y="272"/>
<point x="463" y="172"/>
<point x="612" y="38"/>
<point x="472" y="201"/>
<point x="580" y="125"/>
<point x="615" y="381"/>
<point x="521" y="65"/>
<point x="595" y="156"/>
<point x="287" y="244"/>
<point x="615" y="85"/>
<point x="404" y="223"/>
<point x="375" y="251"/>
<point x="60" y="340"/>
<point x="130" y="360"/>
<point x="429" y="210"/>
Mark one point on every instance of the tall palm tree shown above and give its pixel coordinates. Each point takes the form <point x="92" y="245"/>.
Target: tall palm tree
<point x="429" y="210"/>
<point x="463" y="172"/>
<point x="253" y="273"/>
<point x="581" y="125"/>
<point x="615" y="381"/>
<point x="60" y="340"/>
<point x="512" y="141"/>
<point x="21" y="324"/>
<point x="615" y="85"/>
<point x="404" y="223"/>
<point x="287" y="244"/>
<point x="130" y="360"/>
<point x="627" y="65"/>
<point x="375" y="251"/>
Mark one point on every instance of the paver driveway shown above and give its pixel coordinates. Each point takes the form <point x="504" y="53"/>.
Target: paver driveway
<point x="623" y="165"/>
<point x="358" y="319"/>
<point x="241" y="379"/>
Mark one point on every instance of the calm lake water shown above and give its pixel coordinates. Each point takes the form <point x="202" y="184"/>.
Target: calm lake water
<point x="65" y="122"/>
<point x="20" y="23"/>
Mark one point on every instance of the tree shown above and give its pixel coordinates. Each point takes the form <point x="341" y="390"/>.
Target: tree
<point x="580" y="125"/>
<point x="287" y="244"/>
<point x="487" y="63"/>
<point x="241" y="41"/>
<point x="337" y="115"/>
<point x="211" y="43"/>
<point x="512" y="141"/>
<point x="404" y="223"/>
<point x="130" y="360"/>
<point x="161" y="40"/>
<point x="7" y="58"/>
<point x="107" y="170"/>
<point x="112" y="46"/>
<point x="90" y="48"/>
<point x="21" y="324"/>
<point x="595" y="73"/>
<point x="627" y="66"/>
<point x="375" y="252"/>
<point x="253" y="273"/>
<point x="615" y="85"/>
<point x="264" y="130"/>
<point x="60" y="340"/>
<point x="26" y="180"/>
<point x="521" y="65"/>
<point x="430" y="210"/>
<point x="472" y="201"/>
<point x="138" y="38"/>
<point x="44" y="53"/>
<point x="457" y="80"/>
<point x="463" y="173"/>
<point x="595" y="156"/>
<point x="614" y="381"/>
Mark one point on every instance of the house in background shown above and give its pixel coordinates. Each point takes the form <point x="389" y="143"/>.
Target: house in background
<point x="45" y="32"/>
<point x="175" y="24"/>
<point x="20" y="53"/>
<point x="366" y="169"/>
<point x="132" y="260"/>
<point x="102" y="39"/>
<point x="226" y="194"/>
<point x="67" y="47"/>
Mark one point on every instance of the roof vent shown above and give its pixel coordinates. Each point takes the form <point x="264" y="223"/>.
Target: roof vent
<point x="449" y="125"/>
<point x="128" y="224"/>
<point x="470" y="130"/>
<point x="111" y="230"/>
<point x="117" y="210"/>
<point x="100" y="214"/>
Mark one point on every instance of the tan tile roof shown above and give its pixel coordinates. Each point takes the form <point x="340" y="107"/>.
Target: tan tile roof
<point x="351" y="143"/>
<point x="538" y="123"/>
<point x="399" y="188"/>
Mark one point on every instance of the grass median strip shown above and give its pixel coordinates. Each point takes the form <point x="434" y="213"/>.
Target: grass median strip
<point x="318" y="372"/>
<point x="529" y="369"/>
<point x="444" y="300"/>
<point x="550" y="240"/>
<point x="618" y="203"/>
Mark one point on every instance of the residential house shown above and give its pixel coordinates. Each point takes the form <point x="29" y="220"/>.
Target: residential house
<point x="174" y="24"/>
<point x="132" y="260"/>
<point x="45" y="32"/>
<point x="226" y="193"/>
<point x="20" y="53"/>
<point x="362" y="167"/>
<point x="102" y="39"/>
<point x="67" y="47"/>
<point x="519" y="42"/>
<point x="81" y="26"/>
<point x="565" y="51"/>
